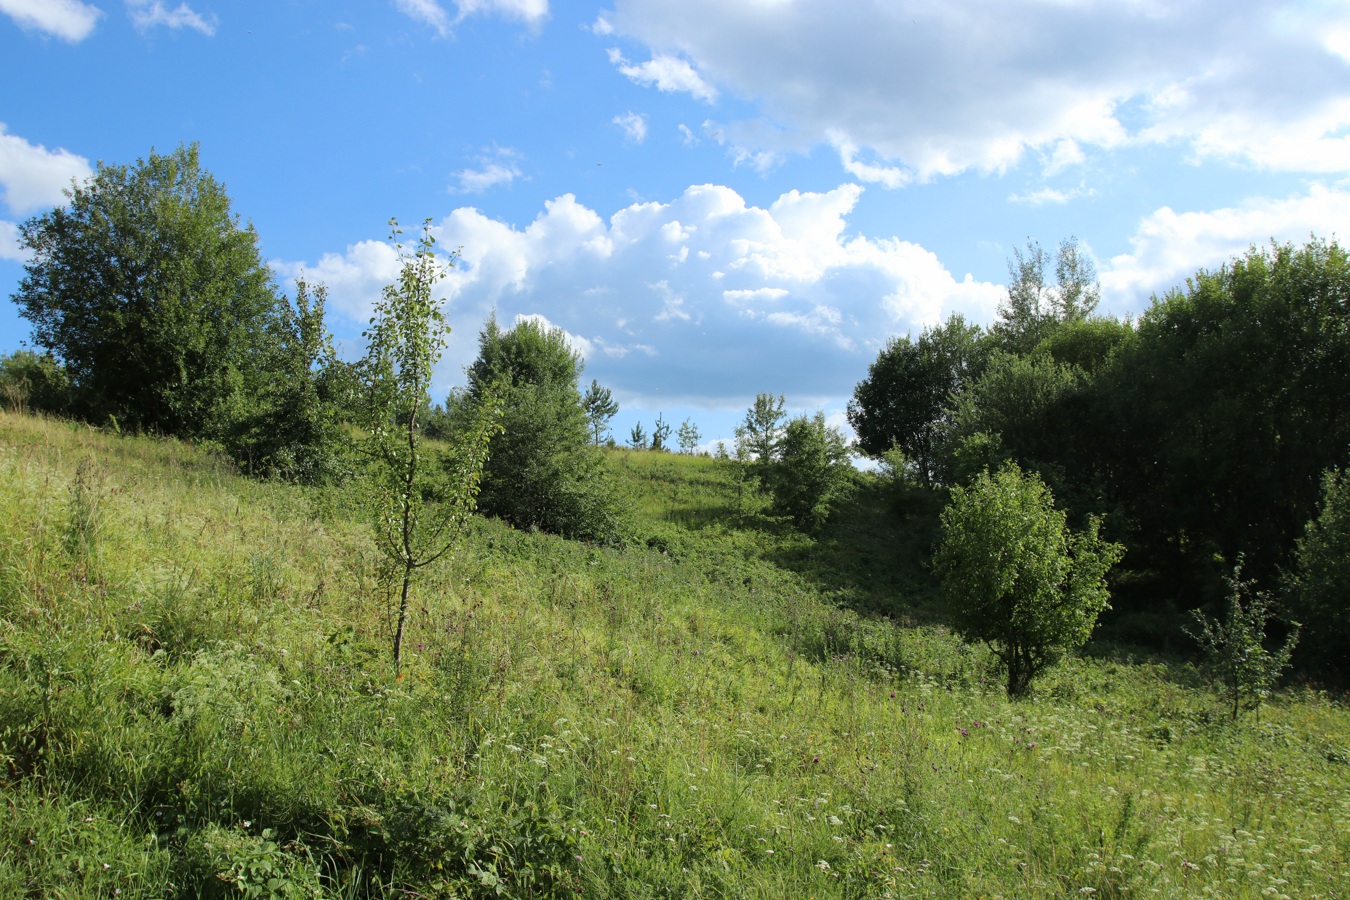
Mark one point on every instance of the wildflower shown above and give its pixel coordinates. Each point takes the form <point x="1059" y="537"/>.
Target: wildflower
<point x="822" y="865"/>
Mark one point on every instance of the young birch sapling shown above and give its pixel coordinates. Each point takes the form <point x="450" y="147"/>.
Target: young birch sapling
<point x="421" y="501"/>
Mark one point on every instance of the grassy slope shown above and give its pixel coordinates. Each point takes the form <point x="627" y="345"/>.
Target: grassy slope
<point x="196" y="697"/>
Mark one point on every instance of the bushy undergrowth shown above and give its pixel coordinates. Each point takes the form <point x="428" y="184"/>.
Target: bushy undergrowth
<point x="196" y="699"/>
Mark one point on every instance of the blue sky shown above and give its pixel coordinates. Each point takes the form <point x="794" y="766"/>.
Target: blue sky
<point x="713" y="199"/>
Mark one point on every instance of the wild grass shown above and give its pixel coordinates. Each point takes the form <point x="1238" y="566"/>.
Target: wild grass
<point x="197" y="698"/>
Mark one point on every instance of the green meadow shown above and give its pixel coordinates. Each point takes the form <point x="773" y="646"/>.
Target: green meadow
<point x="197" y="699"/>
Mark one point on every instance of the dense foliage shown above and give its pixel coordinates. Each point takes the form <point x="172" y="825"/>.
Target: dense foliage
<point x="150" y="293"/>
<point x="1015" y="576"/>
<point x="1319" y="583"/>
<point x="1200" y="433"/>
<point x="810" y="471"/>
<point x="33" y="382"/>
<point x="156" y="305"/>
<point x="907" y="397"/>
<point x="542" y="470"/>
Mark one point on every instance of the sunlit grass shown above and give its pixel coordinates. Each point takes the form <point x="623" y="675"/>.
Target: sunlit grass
<point x="197" y="696"/>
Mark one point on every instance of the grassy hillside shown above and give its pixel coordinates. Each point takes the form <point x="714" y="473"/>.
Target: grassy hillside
<point x="197" y="699"/>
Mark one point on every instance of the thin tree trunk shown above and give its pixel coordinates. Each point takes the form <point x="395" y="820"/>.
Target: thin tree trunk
<point x="402" y="618"/>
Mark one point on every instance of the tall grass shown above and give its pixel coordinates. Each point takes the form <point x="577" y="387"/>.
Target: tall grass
<point x="196" y="700"/>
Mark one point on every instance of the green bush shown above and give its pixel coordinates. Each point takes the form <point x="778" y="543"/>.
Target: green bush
<point x="810" y="471"/>
<point x="33" y="382"/>
<point x="1319" y="587"/>
<point x="1015" y="577"/>
<point x="542" y="472"/>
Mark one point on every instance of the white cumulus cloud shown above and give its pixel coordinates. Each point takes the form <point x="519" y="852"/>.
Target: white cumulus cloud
<point x="432" y="13"/>
<point x="909" y="91"/>
<point x="531" y="12"/>
<point x="9" y="242"/>
<point x="704" y="298"/>
<point x="69" y="20"/>
<point x="1169" y="246"/>
<point x="666" y="73"/>
<point x="33" y="177"/>
<point x="428" y="12"/>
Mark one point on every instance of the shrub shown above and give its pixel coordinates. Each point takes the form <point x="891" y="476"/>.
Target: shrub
<point x="1016" y="577"/>
<point x="1319" y="588"/>
<point x="1235" y="649"/>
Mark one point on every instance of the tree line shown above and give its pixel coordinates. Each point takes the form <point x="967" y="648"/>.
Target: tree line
<point x="1206" y="437"/>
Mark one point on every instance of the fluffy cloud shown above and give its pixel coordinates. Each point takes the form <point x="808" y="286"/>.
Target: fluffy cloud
<point x="703" y="299"/>
<point x="531" y="12"/>
<point x="1169" y="246"/>
<point x="1051" y="196"/>
<point x="908" y="91"/>
<point x="667" y="73"/>
<point x="69" y="20"/>
<point x="33" y="177"/>
<point x="147" y="14"/>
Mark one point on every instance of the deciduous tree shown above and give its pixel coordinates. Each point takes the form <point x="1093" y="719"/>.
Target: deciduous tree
<point x="420" y="503"/>
<point x="151" y="294"/>
<point x="1015" y="577"/>
<point x="910" y="390"/>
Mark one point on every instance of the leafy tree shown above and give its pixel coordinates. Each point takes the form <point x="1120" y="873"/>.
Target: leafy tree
<point x="1018" y="406"/>
<point x="151" y="295"/>
<point x="810" y="472"/>
<point x="32" y="381"/>
<point x="637" y="438"/>
<point x="660" y="433"/>
<point x="1319" y="586"/>
<point x="1224" y="411"/>
<point x="758" y="434"/>
<point x="1035" y="307"/>
<point x="910" y="390"/>
<point x="542" y="472"/>
<point x="291" y="425"/>
<point x="1235" y="651"/>
<point x="689" y="436"/>
<point x="1077" y="290"/>
<point x="1088" y="344"/>
<point x="600" y="407"/>
<point x="406" y="339"/>
<point x="1015" y="577"/>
